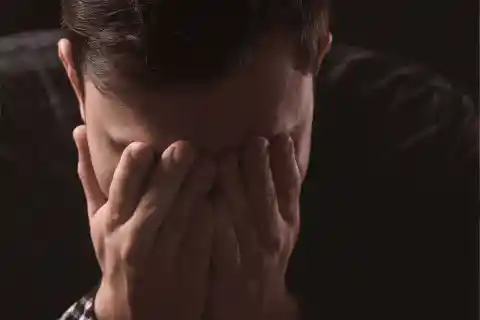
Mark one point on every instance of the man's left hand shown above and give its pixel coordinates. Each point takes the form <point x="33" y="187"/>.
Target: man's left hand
<point x="257" y="224"/>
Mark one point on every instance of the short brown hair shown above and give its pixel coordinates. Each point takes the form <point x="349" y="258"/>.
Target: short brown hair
<point x="178" y="42"/>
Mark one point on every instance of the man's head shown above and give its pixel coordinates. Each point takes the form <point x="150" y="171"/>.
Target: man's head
<point x="213" y="72"/>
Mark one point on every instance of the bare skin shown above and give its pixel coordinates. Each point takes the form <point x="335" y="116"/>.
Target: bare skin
<point x="207" y="228"/>
<point x="156" y="234"/>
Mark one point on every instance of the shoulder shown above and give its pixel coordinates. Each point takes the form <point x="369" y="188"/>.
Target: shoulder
<point x="393" y="109"/>
<point x="391" y="190"/>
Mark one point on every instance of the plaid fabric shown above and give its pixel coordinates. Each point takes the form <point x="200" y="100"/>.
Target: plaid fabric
<point x="81" y="310"/>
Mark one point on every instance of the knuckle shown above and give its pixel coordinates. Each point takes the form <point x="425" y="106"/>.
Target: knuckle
<point x="274" y="243"/>
<point x="112" y="222"/>
<point x="127" y="251"/>
<point x="146" y="209"/>
<point x="81" y="171"/>
<point x="111" y="218"/>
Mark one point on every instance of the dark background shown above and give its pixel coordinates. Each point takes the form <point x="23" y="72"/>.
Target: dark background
<point x="440" y="34"/>
<point x="443" y="36"/>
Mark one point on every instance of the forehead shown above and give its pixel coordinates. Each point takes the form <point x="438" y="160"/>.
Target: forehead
<point x="255" y="100"/>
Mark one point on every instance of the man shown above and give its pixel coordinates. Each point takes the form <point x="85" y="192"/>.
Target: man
<point x="198" y="128"/>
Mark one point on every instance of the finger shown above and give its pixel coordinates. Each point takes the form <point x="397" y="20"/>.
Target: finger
<point x="238" y="209"/>
<point x="93" y="194"/>
<point x="287" y="178"/>
<point x="197" y="252"/>
<point x="261" y="192"/>
<point x="173" y="231"/>
<point x="162" y="189"/>
<point x="226" y="255"/>
<point x="198" y="245"/>
<point x="128" y="181"/>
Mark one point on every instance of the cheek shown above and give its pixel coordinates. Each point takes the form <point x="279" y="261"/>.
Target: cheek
<point x="105" y="158"/>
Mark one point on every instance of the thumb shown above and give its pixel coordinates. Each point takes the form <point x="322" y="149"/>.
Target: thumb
<point x="93" y="194"/>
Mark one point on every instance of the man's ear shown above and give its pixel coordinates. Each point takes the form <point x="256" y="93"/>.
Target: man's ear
<point x="66" y="56"/>
<point x="324" y="46"/>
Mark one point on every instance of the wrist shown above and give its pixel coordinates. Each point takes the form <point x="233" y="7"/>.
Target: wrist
<point x="100" y="303"/>
<point x="107" y="305"/>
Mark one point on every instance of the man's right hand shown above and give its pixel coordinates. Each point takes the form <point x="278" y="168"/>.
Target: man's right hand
<point x="153" y="233"/>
